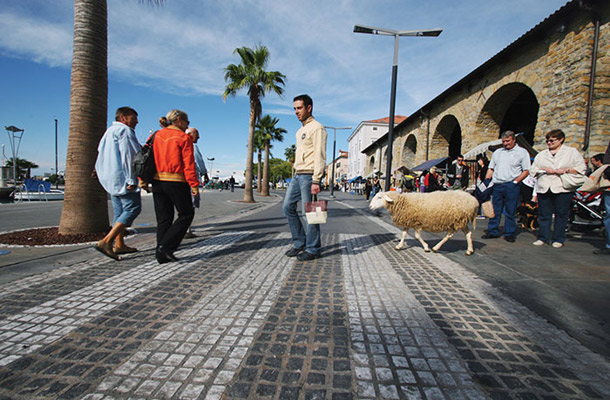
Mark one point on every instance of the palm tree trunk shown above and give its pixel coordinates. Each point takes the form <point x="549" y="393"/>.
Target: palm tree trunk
<point x="259" y="180"/>
<point x="85" y="208"/>
<point x="265" y="191"/>
<point x="248" y="195"/>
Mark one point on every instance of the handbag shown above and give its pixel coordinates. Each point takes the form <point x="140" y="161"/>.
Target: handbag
<point x="571" y="182"/>
<point x="144" y="161"/>
<point x="488" y="209"/>
<point x="316" y="211"/>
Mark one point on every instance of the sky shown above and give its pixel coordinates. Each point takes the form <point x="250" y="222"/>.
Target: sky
<point x="174" y="55"/>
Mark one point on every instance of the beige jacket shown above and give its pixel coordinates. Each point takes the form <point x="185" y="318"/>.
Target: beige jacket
<point x="566" y="157"/>
<point x="310" y="157"/>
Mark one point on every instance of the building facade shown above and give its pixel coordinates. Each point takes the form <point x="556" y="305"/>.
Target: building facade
<point x="340" y="169"/>
<point x="555" y="76"/>
<point x="366" y="133"/>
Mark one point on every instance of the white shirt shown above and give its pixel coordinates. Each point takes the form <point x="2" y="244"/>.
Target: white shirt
<point x="509" y="164"/>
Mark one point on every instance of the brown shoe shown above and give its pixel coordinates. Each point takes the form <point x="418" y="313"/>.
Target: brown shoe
<point x="124" y="250"/>
<point x="106" y="249"/>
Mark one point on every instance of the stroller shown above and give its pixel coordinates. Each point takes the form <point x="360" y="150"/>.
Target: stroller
<point x="586" y="213"/>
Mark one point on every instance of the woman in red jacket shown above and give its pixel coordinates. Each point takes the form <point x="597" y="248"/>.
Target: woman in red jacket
<point x="175" y="183"/>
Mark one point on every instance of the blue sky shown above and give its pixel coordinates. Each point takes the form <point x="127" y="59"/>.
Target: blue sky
<point x="173" y="57"/>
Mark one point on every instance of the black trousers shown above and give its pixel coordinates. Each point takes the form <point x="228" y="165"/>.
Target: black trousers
<point x="167" y="196"/>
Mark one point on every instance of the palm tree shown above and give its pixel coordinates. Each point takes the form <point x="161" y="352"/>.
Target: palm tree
<point x="23" y="166"/>
<point x="290" y="152"/>
<point x="268" y="132"/>
<point x="259" y="146"/>
<point x="251" y="74"/>
<point x="85" y="208"/>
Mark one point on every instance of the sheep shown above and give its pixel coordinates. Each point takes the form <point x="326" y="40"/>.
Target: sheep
<point x="442" y="211"/>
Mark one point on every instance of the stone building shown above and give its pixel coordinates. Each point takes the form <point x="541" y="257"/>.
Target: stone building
<point x="557" y="75"/>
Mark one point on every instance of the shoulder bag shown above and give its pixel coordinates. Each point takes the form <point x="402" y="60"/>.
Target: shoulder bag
<point x="572" y="182"/>
<point x="144" y="161"/>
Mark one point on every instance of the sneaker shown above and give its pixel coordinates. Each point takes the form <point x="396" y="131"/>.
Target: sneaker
<point x="294" y="251"/>
<point x="557" y="245"/>
<point x="489" y="236"/>
<point x="538" y="243"/>
<point x="605" y="250"/>
<point x="306" y="256"/>
<point x="510" y="239"/>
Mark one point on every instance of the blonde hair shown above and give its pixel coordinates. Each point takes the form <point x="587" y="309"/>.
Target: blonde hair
<point x="172" y="116"/>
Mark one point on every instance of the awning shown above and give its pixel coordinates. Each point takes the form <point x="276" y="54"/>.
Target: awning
<point x="430" y="163"/>
<point x="482" y="148"/>
<point x="496" y="144"/>
<point x="357" y="178"/>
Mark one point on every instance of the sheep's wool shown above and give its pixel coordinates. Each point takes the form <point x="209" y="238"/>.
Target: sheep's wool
<point x="443" y="211"/>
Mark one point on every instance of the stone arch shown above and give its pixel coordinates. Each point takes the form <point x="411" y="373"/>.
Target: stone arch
<point x="448" y="135"/>
<point x="409" y="149"/>
<point x="372" y="164"/>
<point x="512" y="107"/>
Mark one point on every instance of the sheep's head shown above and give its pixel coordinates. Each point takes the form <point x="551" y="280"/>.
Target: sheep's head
<point x="381" y="199"/>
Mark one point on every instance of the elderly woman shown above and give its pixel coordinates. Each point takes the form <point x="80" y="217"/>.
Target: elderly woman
<point x="175" y="183"/>
<point x="552" y="167"/>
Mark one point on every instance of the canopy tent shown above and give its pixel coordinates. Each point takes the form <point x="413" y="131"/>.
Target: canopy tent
<point x="430" y="163"/>
<point x="374" y="174"/>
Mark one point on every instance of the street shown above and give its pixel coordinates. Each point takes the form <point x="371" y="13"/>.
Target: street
<point x="235" y="318"/>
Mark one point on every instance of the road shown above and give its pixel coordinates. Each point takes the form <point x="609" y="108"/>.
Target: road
<point x="363" y="321"/>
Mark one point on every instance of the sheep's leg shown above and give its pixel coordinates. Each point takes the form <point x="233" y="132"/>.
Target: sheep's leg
<point x="468" y="234"/>
<point x="418" y="236"/>
<point x="448" y="236"/>
<point x="402" y="240"/>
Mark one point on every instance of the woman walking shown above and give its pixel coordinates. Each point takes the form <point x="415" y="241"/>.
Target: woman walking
<point x="175" y="183"/>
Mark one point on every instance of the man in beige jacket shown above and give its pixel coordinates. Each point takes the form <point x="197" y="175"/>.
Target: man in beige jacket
<point x="309" y="164"/>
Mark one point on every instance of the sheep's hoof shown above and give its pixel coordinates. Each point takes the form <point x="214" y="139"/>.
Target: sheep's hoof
<point x="398" y="248"/>
<point x="427" y="250"/>
<point x="434" y="250"/>
<point x="469" y="253"/>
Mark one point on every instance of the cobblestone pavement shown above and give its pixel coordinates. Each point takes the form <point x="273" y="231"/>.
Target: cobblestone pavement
<point x="236" y="319"/>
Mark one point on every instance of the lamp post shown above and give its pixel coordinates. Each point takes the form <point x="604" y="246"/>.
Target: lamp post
<point x="332" y="182"/>
<point x="14" y="136"/>
<point x="211" y="160"/>
<point x="396" y="34"/>
<point x="56" y="170"/>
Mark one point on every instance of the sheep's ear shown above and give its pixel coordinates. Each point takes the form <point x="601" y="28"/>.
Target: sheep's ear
<point x="387" y="198"/>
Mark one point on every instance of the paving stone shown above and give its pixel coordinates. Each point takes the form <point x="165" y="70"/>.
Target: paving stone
<point x="236" y="319"/>
<point x="481" y="335"/>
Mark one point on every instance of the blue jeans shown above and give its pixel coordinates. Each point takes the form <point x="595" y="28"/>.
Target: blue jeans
<point x="548" y="204"/>
<point x="606" y="203"/>
<point x="505" y="199"/>
<point x="300" y="190"/>
<point x="126" y="208"/>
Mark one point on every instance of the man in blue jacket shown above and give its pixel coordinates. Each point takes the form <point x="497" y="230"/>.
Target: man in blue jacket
<point x="114" y="170"/>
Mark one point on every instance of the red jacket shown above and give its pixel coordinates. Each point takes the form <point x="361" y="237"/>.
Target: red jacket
<point x="174" y="157"/>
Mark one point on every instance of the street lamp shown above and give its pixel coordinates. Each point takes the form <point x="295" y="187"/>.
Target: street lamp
<point x="211" y="160"/>
<point x="56" y="170"/>
<point x="332" y="182"/>
<point x="14" y="136"/>
<point x="396" y="34"/>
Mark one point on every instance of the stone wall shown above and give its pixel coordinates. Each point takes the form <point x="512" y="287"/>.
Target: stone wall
<point x="549" y="68"/>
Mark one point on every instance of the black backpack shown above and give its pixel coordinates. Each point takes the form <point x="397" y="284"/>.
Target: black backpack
<point x="144" y="161"/>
